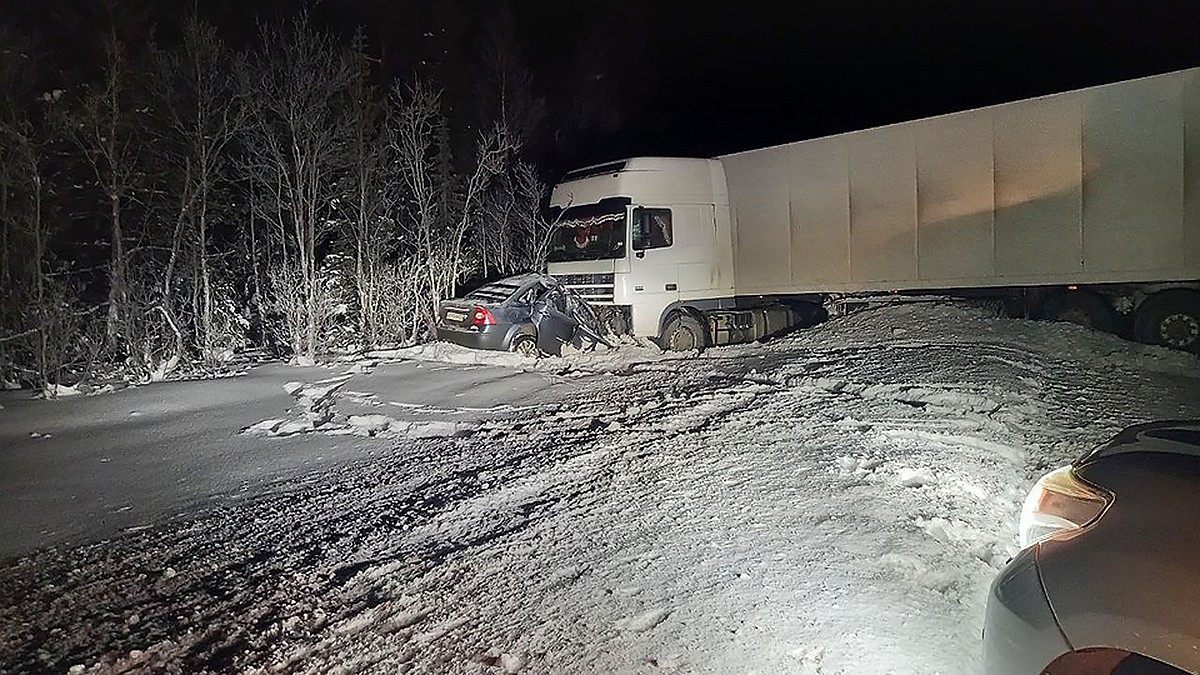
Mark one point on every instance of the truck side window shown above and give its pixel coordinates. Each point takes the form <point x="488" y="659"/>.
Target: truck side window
<point x="651" y="228"/>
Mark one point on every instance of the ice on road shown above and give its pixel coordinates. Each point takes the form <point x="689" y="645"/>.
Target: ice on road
<point x="833" y="502"/>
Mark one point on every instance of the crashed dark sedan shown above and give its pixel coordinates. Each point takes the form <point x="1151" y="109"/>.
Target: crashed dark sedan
<point x="531" y="314"/>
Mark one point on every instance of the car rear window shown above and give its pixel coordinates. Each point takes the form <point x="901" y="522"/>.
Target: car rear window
<point x="497" y="292"/>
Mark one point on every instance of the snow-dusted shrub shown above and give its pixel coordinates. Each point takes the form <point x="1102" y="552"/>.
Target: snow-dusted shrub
<point x="296" y="316"/>
<point x="341" y="330"/>
<point x="47" y="342"/>
<point x="230" y="325"/>
<point x="400" y="313"/>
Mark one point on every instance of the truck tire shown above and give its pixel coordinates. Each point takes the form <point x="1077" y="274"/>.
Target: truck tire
<point x="683" y="334"/>
<point x="1171" y="319"/>
<point x="1078" y="307"/>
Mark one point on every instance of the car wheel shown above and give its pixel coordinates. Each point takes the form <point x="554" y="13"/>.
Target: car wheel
<point x="683" y="334"/>
<point x="1078" y="307"/>
<point x="526" y="345"/>
<point x="1171" y="319"/>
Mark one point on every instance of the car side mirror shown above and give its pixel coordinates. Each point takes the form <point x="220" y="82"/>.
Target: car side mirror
<point x="640" y="254"/>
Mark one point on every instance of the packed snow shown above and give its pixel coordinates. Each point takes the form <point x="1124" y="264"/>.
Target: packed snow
<point x="834" y="502"/>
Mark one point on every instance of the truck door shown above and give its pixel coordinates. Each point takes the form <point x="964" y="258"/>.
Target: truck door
<point x="654" y="266"/>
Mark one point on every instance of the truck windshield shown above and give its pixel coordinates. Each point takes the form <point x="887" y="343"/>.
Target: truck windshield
<point x="589" y="232"/>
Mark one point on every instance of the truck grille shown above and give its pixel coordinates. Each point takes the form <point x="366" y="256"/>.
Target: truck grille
<point x="596" y="288"/>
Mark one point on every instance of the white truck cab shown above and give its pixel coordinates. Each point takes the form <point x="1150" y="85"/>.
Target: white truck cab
<point x="643" y="235"/>
<point x="648" y="241"/>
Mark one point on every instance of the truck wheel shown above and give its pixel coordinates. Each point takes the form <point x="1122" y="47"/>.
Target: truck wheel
<point x="1079" y="307"/>
<point x="526" y="345"/>
<point x="683" y="334"/>
<point x="1170" y="319"/>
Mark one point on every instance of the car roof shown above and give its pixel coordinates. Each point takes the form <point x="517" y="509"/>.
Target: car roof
<point x="1177" y="437"/>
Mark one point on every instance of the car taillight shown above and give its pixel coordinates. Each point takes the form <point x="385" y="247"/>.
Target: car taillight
<point x="1060" y="502"/>
<point x="482" y="317"/>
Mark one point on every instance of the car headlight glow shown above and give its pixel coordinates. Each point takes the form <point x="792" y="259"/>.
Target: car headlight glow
<point x="1060" y="502"/>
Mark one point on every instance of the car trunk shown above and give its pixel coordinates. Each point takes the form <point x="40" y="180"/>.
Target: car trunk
<point x="457" y="314"/>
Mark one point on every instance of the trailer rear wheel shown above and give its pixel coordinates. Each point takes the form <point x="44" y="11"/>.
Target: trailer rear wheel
<point x="1079" y="307"/>
<point x="1170" y="318"/>
<point x="683" y="334"/>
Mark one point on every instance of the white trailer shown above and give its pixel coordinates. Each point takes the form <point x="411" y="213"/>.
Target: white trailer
<point x="1082" y="206"/>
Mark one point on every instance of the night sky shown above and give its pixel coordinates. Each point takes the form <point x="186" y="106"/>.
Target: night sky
<point x="746" y="75"/>
<point x="702" y="79"/>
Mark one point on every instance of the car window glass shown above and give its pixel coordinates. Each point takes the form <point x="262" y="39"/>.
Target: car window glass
<point x="556" y="300"/>
<point x="529" y="296"/>
<point x="496" y="292"/>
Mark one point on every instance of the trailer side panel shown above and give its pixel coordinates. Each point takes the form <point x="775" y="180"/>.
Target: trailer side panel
<point x="1093" y="186"/>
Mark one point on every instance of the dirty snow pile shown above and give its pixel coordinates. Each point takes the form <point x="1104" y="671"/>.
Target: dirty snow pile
<point x="836" y="502"/>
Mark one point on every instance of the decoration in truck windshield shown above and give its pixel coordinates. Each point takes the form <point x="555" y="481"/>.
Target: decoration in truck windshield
<point x="589" y="232"/>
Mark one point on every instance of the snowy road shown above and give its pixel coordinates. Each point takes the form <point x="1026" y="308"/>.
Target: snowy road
<point x="836" y="502"/>
<point x="81" y="469"/>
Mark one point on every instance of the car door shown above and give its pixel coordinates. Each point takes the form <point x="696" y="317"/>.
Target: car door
<point x="554" y="326"/>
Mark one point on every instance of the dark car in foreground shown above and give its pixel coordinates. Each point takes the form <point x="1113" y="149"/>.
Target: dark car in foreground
<point x="1108" y="578"/>
<point x="530" y="314"/>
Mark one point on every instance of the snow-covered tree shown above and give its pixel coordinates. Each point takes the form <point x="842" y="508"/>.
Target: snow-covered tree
<point x="296" y="86"/>
<point x="198" y="108"/>
<point x="439" y="207"/>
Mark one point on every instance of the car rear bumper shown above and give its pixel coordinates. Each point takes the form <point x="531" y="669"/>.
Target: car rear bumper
<point x="1020" y="635"/>
<point x="487" y="337"/>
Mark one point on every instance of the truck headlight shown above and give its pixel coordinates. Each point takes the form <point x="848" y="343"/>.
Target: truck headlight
<point x="1060" y="502"/>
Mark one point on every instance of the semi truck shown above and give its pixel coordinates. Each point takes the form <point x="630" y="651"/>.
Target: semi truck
<point x="1080" y="206"/>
